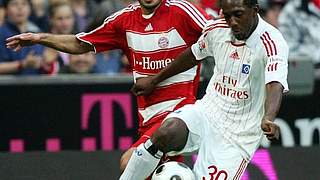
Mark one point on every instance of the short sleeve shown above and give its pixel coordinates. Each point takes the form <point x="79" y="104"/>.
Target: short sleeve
<point x="108" y="36"/>
<point x="201" y="48"/>
<point x="277" y="65"/>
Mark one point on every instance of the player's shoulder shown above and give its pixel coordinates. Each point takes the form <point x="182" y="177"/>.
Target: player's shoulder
<point x="218" y="28"/>
<point x="269" y="30"/>
<point x="125" y="12"/>
<point x="272" y="40"/>
<point x="216" y="25"/>
<point x="183" y="7"/>
<point x="130" y="9"/>
<point x="186" y="11"/>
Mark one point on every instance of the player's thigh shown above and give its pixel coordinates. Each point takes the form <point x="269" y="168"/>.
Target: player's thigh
<point x="219" y="159"/>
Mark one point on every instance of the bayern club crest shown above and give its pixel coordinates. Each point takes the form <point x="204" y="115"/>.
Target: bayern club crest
<point x="202" y="45"/>
<point x="163" y="42"/>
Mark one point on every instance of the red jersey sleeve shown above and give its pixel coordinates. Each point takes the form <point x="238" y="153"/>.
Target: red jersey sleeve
<point x="194" y="16"/>
<point x="206" y="18"/>
<point x="108" y="36"/>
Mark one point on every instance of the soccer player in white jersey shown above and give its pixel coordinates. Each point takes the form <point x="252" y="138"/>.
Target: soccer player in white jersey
<point x="241" y="101"/>
<point x="151" y="33"/>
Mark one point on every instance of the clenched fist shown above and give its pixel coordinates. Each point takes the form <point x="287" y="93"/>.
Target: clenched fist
<point x="270" y="129"/>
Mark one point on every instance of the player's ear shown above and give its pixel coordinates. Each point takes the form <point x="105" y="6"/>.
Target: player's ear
<point x="256" y="8"/>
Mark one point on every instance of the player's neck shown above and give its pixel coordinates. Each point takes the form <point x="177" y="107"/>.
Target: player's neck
<point x="255" y="24"/>
<point x="148" y="11"/>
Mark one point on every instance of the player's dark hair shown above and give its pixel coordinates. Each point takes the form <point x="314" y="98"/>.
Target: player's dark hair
<point x="248" y="3"/>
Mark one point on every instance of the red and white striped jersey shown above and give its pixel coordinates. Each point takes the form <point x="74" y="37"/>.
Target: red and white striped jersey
<point x="236" y="93"/>
<point x="150" y="44"/>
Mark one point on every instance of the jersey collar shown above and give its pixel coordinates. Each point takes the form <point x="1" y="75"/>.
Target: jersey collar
<point x="160" y="9"/>
<point x="254" y="37"/>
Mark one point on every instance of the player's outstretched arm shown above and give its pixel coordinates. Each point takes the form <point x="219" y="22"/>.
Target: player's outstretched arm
<point x="272" y="106"/>
<point x="64" y="43"/>
<point x="184" y="61"/>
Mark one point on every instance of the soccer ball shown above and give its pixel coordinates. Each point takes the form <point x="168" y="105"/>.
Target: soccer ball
<point x="173" y="171"/>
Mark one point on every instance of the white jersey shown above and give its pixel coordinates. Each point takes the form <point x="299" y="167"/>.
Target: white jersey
<point x="235" y="96"/>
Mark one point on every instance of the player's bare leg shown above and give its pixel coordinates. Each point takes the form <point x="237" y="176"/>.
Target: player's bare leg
<point x="125" y="158"/>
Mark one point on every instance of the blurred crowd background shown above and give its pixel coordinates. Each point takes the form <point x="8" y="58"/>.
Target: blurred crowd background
<point x="298" y="20"/>
<point x="58" y="17"/>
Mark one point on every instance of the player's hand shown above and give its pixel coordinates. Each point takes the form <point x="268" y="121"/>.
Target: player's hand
<point x="19" y="41"/>
<point x="270" y="129"/>
<point x="143" y="86"/>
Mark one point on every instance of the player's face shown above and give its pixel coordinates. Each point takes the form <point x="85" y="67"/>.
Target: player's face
<point x="241" y="18"/>
<point x="149" y="5"/>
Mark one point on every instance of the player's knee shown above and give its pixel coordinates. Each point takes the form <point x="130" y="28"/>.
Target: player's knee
<point x="171" y="136"/>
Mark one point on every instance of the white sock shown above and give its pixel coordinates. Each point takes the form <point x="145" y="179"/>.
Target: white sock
<point x="141" y="164"/>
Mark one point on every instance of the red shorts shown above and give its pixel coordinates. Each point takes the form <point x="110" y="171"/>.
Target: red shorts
<point x="146" y="130"/>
